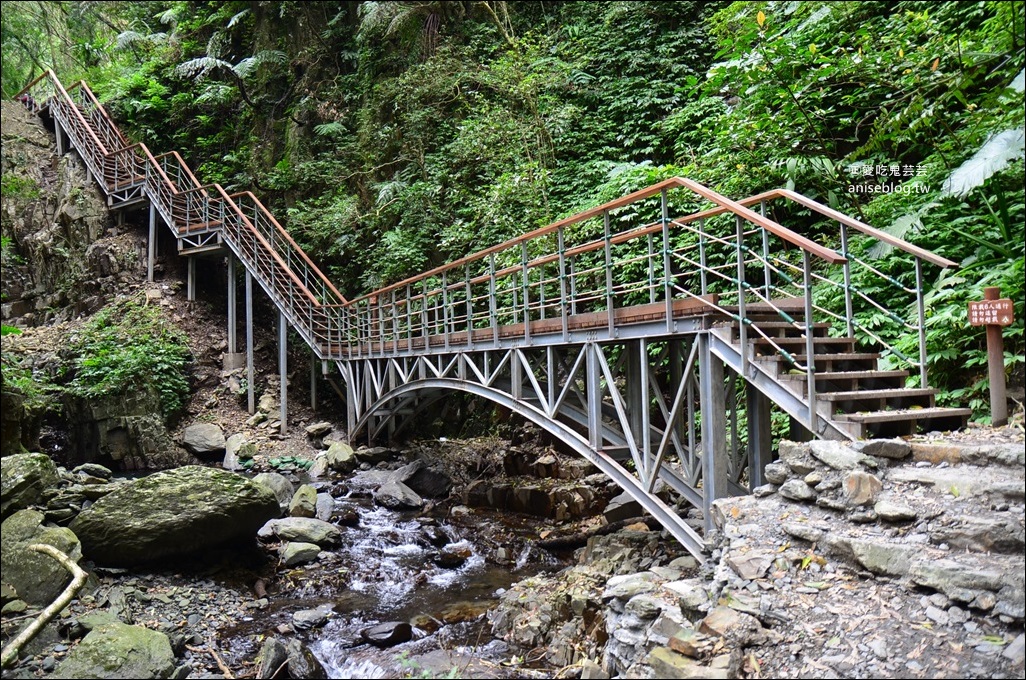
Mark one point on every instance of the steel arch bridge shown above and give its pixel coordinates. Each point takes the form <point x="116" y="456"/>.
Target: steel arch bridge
<point x="651" y="335"/>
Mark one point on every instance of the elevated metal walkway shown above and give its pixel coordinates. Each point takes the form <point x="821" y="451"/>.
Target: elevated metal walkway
<point x="653" y="348"/>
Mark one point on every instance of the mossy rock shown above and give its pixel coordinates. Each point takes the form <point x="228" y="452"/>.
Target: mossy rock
<point x="172" y="513"/>
<point x="23" y="478"/>
<point x="37" y="578"/>
<point x="117" y="650"/>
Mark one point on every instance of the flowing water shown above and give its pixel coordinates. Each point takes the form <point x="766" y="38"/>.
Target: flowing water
<point x="385" y="571"/>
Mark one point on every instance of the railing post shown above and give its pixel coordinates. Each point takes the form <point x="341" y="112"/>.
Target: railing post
<point x="492" y="302"/>
<point x="767" y="271"/>
<point x="742" y="313"/>
<point x="701" y="257"/>
<point x="445" y="308"/>
<point x="651" y="269"/>
<point x="526" y="287"/>
<point x="470" y="307"/>
<point x="921" y="313"/>
<point x="573" y="289"/>
<point x="424" y="318"/>
<point x="810" y="346"/>
<point x="608" y="248"/>
<point x="667" y="276"/>
<point x="564" y="322"/>
<point x="848" y="310"/>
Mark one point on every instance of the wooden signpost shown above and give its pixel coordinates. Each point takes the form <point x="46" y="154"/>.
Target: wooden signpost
<point x="995" y="314"/>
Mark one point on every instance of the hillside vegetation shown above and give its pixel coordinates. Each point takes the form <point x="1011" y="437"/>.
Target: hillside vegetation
<point x="394" y="136"/>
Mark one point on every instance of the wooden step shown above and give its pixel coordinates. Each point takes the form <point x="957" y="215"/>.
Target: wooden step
<point x="797" y="344"/>
<point x="858" y="395"/>
<point x="841" y="376"/>
<point x="904" y="414"/>
<point x="844" y="356"/>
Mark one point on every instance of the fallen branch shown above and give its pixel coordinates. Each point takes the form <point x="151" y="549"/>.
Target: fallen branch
<point x="10" y="652"/>
<point x="225" y="671"/>
<point x="580" y="539"/>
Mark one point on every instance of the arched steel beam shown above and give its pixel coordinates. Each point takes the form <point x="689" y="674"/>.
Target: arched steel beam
<point x="662" y="512"/>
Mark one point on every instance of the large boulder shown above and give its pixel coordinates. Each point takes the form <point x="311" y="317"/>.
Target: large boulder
<point x="173" y="513"/>
<point x="340" y="457"/>
<point x="37" y="578"/>
<point x="24" y="478"/>
<point x="203" y="438"/>
<point x="117" y="650"/>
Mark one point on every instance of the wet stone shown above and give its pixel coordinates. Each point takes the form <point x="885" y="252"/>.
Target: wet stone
<point x="305" y="619"/>
<point x="388" y="634"/>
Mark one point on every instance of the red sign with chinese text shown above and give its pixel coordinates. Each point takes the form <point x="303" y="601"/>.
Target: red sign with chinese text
<point x="991" y="313"/>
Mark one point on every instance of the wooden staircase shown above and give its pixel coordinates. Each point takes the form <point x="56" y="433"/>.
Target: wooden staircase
<point x="859" y="398"/>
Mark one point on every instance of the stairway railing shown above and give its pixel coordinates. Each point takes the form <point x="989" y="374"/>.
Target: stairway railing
<point x="577" y="273"/>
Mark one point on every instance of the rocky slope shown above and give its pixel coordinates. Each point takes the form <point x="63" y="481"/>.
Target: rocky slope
<point x="880" y="559"/>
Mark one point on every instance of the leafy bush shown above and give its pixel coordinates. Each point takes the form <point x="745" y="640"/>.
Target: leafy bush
<point x="131" y="346"/>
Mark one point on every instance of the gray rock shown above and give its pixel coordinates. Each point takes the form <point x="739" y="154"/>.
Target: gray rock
<point x="895" y="449"/>
<point x="796" y="456"/>
<point x="374" y="454"/>
<point x="950" y="577"/>
<point x="692" y="596"/>
<point x="93" y="470"/>
<point x="776" y="473"/>
<point x="895" y="512"/>
<point x="879" y="557"/>
<point x="396" y="496"/>
<point x="749" y="566"/>
<point x="172" y="513"/>
<point x="429" y="482"/>
<point x="270" y="658"/>
<point x="37" y="578"/>
<point x="388" y="634"/>
<point x="325" y="504"/>
<point x="992" y="533"/>
<point x="297" y="552"/>
<point x="341" y="458"/>
<point x="303" y="663"/>
<point x="621" y="507"/>
<point x="937" y="615"/>
<point x="861" y="488"/>
<point x="303" y="530"/>
<point x="319" y="430"/>
<point x="306" y="619"/>
<point x="203" y="438"/>
<point x="281" y="487"/>
<point x="797" y="490"/>
<point x="23" y="478"/>
<point x="764" y="490"/>
<point x="838" y="456"/>
<point x="628" y="585"/>
<point x="1016" y="651"/>
<point x="117" y="650"/>
<point x="236" y="450"/>
<point x="803" y="531"/>
<point x="304" y="502"/>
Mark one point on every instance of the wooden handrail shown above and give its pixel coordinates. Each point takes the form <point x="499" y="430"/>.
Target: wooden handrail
<point x="301" y="252"/>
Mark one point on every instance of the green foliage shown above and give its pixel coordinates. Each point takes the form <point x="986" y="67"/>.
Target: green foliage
<point x="397" y="136"/>
<point x="16" y="186"/>
<point x="129" y="345"/>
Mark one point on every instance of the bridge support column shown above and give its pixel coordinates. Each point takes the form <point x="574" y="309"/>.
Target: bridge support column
<point x="151" y="244"/>
<point x="250" y="394"/>
<point x="714" y="428"/>
<point x="59" y="133"/>
<point x="232" y="339"/>
<point x="283" y="397"/>
<point x="760" y="437"/>
<point x="190" y="282"/>
<point x="313" y="382"/>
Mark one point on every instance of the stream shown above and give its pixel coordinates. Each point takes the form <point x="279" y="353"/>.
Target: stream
<point x="386" y="570"/>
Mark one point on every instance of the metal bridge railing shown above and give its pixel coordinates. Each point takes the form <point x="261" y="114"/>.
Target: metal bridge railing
<point x="579" y="272"/>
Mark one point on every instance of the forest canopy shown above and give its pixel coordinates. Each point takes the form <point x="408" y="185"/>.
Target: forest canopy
<point x="394" y="136"/>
